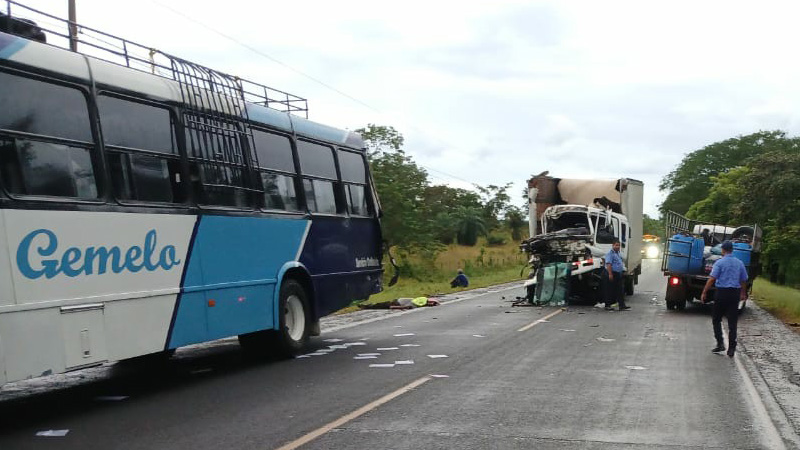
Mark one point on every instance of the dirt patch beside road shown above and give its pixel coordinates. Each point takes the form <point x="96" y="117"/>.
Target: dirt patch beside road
<point x="775" y="349"/>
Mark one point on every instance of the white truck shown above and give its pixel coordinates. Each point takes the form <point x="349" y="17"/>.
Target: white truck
<point x="575" y="222"/>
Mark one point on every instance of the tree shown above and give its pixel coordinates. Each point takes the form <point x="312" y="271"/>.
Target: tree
<point x="400" y="184"/>
<point x="653" y="226"/>
<point x="469" y="225"/>
<point x="495" y="203"/>
<point x="441" y="203"/>
<point x="691" y="181"/>
<point x="381" y="139"/>
<point x="723" y="203"/>
<point x="515" y="219"/>
<point x="763" y="191"/>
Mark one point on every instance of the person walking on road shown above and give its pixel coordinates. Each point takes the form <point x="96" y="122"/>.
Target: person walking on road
<point x="614" y="268"/>
<point x="729" y="276"/>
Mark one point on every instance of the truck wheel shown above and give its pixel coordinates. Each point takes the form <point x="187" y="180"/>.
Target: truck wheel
<point x="676" y="296"/>
<point x="628" y="285"/>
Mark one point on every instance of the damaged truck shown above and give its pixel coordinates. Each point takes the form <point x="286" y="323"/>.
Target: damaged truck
<point x="573" y="224"/>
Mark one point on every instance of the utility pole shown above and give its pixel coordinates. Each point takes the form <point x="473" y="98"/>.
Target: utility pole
<point x="73" y="27"/>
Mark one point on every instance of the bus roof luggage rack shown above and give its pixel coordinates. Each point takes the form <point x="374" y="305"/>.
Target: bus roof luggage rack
<point x="218" y="136"/>
<point x="120" y="51"/>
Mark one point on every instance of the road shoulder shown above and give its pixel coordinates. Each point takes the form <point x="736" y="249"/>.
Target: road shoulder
<point x="772" y="352"/>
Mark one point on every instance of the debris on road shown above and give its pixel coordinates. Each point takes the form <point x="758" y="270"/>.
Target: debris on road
<point x="110" y="398"/>
<point x="53" y="433"/>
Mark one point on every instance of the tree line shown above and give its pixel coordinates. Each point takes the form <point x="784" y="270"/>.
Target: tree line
<point x="419" y="215"/>
<point x="746" y="180"/>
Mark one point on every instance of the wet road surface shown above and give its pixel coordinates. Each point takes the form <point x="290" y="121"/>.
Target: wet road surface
<point x="471" y="374"/>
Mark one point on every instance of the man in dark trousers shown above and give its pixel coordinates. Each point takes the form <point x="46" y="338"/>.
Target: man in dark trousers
<point x="730" y="278"/>
<point x="614" y="268"/>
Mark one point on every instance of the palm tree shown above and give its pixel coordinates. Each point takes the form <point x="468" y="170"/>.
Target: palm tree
<point x="469" y="225"/>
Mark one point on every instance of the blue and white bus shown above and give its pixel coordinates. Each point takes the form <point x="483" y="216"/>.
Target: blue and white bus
<point x="145" y="210"/>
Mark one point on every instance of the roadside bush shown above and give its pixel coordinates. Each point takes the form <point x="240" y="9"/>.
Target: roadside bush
<point x="495" y="239"/>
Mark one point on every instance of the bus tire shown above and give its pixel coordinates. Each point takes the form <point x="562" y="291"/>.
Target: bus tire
<point x="295" y="319"/>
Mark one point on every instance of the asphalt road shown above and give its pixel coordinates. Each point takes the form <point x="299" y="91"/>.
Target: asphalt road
<point x="504" y="378"/>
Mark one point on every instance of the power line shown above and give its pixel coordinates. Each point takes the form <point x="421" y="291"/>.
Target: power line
<point x="265" y="55"/>
<point x="310" y="77"/>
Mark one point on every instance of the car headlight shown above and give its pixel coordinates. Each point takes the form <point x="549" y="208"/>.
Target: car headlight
<point x="652" y="252"/>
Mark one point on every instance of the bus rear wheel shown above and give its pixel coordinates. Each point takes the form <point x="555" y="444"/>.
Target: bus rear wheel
<point x="295" y="319"/>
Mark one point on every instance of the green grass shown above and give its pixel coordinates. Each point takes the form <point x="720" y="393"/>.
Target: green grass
<point x="781" y="301"/>
<point x="410" y="287"/>
<point x="484" y="265"/>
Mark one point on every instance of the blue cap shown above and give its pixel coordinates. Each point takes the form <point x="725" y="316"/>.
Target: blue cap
<point x="727" y="246"/>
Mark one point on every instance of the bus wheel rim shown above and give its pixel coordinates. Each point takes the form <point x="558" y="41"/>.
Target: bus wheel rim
<point x="294" y="318"/>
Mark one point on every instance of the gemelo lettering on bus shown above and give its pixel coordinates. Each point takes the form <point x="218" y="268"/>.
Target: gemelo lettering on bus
<point x="74" y="261"/>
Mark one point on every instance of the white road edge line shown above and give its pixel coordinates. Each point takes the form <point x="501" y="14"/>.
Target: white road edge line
<point x="347" y="418"/>
<point x="769" y="432"/>
<point x="539" y="320"/>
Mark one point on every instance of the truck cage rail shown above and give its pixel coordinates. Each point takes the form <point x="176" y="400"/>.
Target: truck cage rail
<point x="67" y="34"/>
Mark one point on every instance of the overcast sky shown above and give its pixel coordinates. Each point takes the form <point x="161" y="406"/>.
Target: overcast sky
<point x="492" y="92"/>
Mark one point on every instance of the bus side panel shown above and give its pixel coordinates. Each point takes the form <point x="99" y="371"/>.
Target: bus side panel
<point x="6" y="285"/>
<point x="343" y="256"/>
<point x="92" y="286"/>
<point x="3" y="377"/>
<point x="72" y="257"/>
<point x="33" y="343"/>
<point x="137" y="327"/>
<point x="234" y="263"/>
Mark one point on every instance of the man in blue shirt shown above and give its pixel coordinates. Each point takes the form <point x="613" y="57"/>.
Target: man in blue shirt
<point x="729" y="276"/>
<point x="460" y="280"/>
<point x="614" y="269"/>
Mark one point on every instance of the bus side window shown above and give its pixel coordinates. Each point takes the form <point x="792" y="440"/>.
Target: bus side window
<point x="142" y="150"/>
<point x="215" y="146"/>
<point x="54" y="157"/>
<point x="354" y="178"/>
<point x="319" y="177"/>
<point x="275" y="165"/>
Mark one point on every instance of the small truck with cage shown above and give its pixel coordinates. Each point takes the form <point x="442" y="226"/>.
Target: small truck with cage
<point x="691" y="249"/>
<point x="575" y="222"/>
